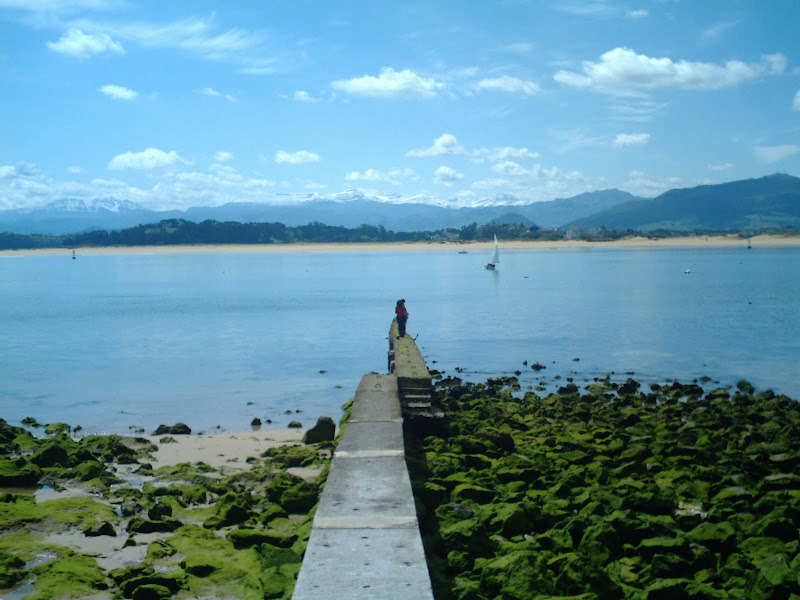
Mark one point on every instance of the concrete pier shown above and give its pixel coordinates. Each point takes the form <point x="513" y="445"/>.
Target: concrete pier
<point x="365" y="541"/>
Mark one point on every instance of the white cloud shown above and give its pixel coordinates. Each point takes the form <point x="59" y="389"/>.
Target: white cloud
<point x="775" y="63"/>
<point x="771" y="154"/>
<point x="212" y="92"/>
<point x="642" y="184"/>
<point x="720" y="167"/>
<point x="510" y="84"/>
<point x="796" y="103"/>
<point x="390" y="84"/>
<point x="193" y="35"/>
<point x="76" y="170"/>
<point x="444" y="144"/>
<point x="719" y="29"/>
<point x="505" y="153"/>
<point x="447" y="176"/>
<point x="622" y="71"/>
<point x="623" y="140"/>
<point x="520" y="47"/>
<point x="300" y="157"/>
<point x="151" y="158"/>
<point x="108" y="183"/>
<point x="117" y="92"/>
<point x="637" y="14"/>
<point x="78" y="44"/>
<point x="223" y="156"/>
<point x="394" y="176"/>
<point x="301" y="96"/>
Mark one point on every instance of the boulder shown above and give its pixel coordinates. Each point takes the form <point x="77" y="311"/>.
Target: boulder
<point x="177" y="429"/>
<point x="323" y="431"/>
<point x="98" y="530"/>
<point x="718" y="537"/>
<point x="17" y="472"/>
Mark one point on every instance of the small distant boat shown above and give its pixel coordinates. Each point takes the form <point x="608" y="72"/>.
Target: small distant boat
<point x="748" y="245"/>
<point x="492" y="264"/>
<point x="462" y="251"/>
<point x="73" y="255"/>
<point x="687" y="271"/>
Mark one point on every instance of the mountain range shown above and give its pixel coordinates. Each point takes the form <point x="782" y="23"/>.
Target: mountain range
<point x="767" y="203"/>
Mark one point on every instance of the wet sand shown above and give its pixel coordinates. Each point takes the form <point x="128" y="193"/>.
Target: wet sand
<point x="631" y="242"/>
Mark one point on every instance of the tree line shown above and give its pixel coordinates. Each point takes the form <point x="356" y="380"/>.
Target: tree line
<point x="181" y="231"/>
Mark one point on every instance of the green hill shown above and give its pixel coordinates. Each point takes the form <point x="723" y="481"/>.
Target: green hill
<point x="767" y="204"/>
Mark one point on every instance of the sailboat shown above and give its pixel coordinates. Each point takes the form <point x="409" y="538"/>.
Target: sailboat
<point x="492" y="264"/>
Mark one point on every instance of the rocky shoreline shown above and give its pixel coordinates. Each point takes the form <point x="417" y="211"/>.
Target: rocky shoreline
<point x="128" y="517"/>
<point x="612" y="490"/>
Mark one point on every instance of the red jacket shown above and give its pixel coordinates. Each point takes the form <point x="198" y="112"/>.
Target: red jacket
<point x="400" y="311"/>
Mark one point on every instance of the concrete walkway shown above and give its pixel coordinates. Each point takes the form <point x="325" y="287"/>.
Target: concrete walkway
<point x="365" y="542"/>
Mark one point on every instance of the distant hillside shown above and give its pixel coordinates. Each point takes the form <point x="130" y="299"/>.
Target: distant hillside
<point x="512" y="219"/>
<point x="346" y="210"/>
<point x="768" y="203"/>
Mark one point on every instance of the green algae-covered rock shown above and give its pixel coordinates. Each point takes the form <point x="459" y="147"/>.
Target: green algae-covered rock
<point x="17" y="472"/>
<point x="56" y="428"/>
<point x="69" y="576"/>
<point x="11" y="569"/>
<point x="657" y="493"/>
<point x="151" y="591"/>
<point x="140" y="525"/>
<point x="299" y="498"/>
<point x="719" y="537"/>
<point x="116" y="448"/>
<point x="291" y="456"/>
<point x="171" y="581"/>
<point x="200" y="566"/>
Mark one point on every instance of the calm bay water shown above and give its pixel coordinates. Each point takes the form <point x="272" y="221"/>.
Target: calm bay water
<point x="118" y="341"/>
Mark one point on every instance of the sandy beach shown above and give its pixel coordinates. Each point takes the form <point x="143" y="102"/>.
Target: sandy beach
<point x="630" y="242"/>
<point x="227" y="452"/>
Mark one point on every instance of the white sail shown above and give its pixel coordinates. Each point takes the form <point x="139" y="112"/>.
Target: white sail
<point x="495" y="253"/>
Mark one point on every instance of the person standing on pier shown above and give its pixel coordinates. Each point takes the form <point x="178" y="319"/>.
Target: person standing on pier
<point x="402" y="317"/>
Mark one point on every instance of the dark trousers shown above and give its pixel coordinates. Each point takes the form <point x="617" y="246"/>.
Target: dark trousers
<point x="401" y="325"/>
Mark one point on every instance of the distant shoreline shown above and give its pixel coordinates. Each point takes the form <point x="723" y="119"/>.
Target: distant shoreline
<point x="631" y="242"/>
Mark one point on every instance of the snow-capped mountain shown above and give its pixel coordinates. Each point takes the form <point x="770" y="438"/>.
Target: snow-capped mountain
<point x="79" y="205"/>
<point x="349" y="208"/>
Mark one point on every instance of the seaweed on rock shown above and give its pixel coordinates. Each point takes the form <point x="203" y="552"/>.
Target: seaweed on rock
<point x="612" y="491"/>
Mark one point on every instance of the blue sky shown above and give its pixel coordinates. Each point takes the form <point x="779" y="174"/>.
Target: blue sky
<point x="187" y="103"/>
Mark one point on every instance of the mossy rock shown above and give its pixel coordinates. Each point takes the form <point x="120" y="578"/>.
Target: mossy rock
<point x="227" y="515"/>
<point x="291" y="456"/>
<point x="12" y="569"/>
<point x="151" y="591"/>
<point x="668" y="589"/>
<point x="56" y="428"/>
<point x="171" y="581"/>
<point x="719" y="537"/>
<point x="474" y="493"/>
<point x="17" y="472"/>
<point x="90" y="469"/>
<point x="69" y="576"/>
<point x="124" y="573"/>
<point x="300" y="498"/>
<point x="247" y="538"/>
<point x="115" y="448"/>
<point x="158" y="549"/>
<point x="140" y="525"/>
<point x="200" y="566"/>
<point x="194" y="494"/>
